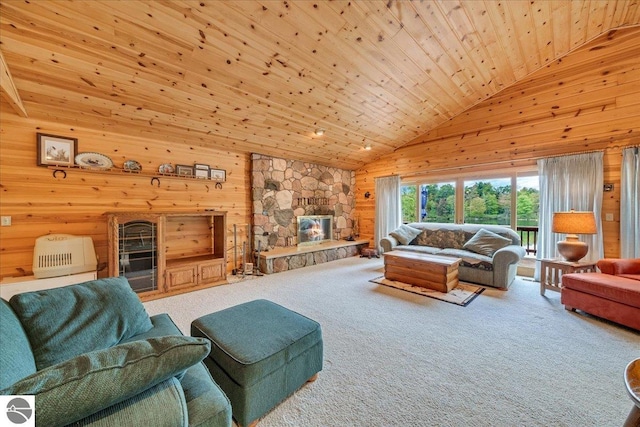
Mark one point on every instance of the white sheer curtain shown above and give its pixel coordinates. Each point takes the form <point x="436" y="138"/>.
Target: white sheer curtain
<point x="569" y="182"/>
<point x="630" y="203"/>
<point x="388" y="211"/>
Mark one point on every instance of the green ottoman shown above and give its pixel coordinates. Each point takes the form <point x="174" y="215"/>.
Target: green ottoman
<point x="260" y="354"/>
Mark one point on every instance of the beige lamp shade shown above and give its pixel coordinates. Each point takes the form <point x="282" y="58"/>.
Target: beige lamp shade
<point x="572" y="223"/>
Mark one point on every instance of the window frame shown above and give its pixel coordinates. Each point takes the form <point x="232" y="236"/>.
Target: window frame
<point x="460" y="178"/>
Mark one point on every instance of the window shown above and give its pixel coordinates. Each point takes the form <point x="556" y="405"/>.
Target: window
<point x="528" y="201"/>
<point x="432" y="203"/>
<point x="487" y="201"/>
<point x="438" y="202"/>
<point x="475" y="200"/>
<point x="408" y="198"/>
<point x="527" y="207"/>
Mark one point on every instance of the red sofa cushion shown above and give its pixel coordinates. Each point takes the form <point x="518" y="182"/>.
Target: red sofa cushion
<point x="630" y="276"/>
<point x="614" y="288"/>
<point x="619" y="265"/>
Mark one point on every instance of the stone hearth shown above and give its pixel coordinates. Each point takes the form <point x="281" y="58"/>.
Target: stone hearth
<point x="290" y="258"/>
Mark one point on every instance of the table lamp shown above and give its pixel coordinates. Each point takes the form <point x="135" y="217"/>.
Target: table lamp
<point x="572" y="223"/>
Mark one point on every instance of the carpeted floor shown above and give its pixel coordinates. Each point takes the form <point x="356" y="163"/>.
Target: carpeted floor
<point x="393" y="358"/>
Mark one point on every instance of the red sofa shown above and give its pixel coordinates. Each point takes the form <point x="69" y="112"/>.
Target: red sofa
<point x="613" y="294"/>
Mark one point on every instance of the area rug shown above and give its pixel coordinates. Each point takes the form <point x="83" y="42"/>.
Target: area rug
<point x="461" y="295"/>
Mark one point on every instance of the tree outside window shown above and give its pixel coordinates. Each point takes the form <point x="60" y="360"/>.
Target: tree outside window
<point x="408" y="202"/>
<point x="438" y="202"/>
<point x="487" y="201"/>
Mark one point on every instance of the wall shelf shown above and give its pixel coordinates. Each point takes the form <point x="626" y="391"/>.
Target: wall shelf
<point x="61" y="172"/>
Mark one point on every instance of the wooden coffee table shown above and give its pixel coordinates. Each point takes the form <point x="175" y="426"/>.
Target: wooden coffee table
<point x="428" y="271"/>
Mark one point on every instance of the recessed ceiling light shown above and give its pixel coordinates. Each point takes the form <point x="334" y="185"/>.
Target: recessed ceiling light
<point x="319" y="132"/>
<point x="367" y="147"/>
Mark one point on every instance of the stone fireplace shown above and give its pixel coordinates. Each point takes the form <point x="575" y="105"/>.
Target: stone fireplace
<point x="283" y="190"/>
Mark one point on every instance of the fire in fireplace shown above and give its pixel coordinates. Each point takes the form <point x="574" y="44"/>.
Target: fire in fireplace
<point x="314" y="229"/>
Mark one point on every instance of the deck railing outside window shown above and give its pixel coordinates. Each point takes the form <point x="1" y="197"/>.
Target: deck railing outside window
<point x="528" y="238"/>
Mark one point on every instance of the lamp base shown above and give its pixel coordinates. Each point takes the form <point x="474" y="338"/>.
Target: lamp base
<point x="572" y="249"/>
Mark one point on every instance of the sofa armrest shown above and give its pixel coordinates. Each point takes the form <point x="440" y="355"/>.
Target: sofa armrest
<point x="388" y="243"/>
<point x="504" y="265"/>
<point x="508" y="255"/>
<point x="619" y="266"/>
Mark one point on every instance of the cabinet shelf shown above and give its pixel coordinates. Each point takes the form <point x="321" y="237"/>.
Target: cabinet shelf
<point x="139" y="251"/>
<point x="178" y="262"/>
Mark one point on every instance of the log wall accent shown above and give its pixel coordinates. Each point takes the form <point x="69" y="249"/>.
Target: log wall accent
<point x="40" y="204"/>
<point x="587" y="101"/>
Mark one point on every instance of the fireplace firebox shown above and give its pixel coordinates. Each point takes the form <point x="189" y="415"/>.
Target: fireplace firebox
<point x="313" y="229"/>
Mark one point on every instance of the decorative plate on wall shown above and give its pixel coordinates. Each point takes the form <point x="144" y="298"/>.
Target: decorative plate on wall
<point x="132" y="166"/>
<point x="166" y="168"/>
<point x="94" y="160"/>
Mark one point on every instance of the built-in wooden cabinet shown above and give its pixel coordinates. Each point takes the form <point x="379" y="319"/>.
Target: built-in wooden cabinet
<point x="167" y="253"/>
<point x="193" y="272"/>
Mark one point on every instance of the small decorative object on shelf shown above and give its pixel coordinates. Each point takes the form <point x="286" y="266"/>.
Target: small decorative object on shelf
<point x="94" y="160"/>
<point x="184" y="170"/>
<point x="132" y="166"/>
<point x="166" y="168"/>
<point x="219" y="175"/>
<point x="56" y="150"/>
<point x="201" y="171"/>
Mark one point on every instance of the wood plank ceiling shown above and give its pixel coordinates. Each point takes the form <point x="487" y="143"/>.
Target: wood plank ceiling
<point x="261" y="76"/>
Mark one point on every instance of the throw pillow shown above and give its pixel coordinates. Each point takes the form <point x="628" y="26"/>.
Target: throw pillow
<point x="93" y="381"/>
<point x="441" y="238"/>
<point x="486" y="242"/>
<point x="405" y="233"/>
<point x="65" y="322"/>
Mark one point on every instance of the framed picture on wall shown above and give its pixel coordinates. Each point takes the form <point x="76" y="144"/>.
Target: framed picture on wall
<point x="201" y="171"/>
<point x="219" y="175"/>
<point x="56" y="150"/>
<point x="184" y="170"/>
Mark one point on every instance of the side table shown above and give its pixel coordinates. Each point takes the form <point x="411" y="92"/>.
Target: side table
<point x="551" y="271"/>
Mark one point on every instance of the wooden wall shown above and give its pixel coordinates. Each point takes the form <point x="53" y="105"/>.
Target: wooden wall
<point x="587" y="101"/>
<point x="40" y="204"/>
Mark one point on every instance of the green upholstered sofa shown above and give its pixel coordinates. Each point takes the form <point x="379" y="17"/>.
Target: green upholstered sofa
<point x="489" y="254"/>
<point x="91" y="355"/>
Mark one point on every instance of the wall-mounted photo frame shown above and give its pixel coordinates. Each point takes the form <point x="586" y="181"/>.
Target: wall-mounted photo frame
<point x="54" y="150"/>
<point x="201" y="171"/>
<point x="184" y="170"/>
<point x="219" y="175"/>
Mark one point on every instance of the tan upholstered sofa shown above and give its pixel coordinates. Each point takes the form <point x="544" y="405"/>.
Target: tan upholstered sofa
<point x="489" y="253"/>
